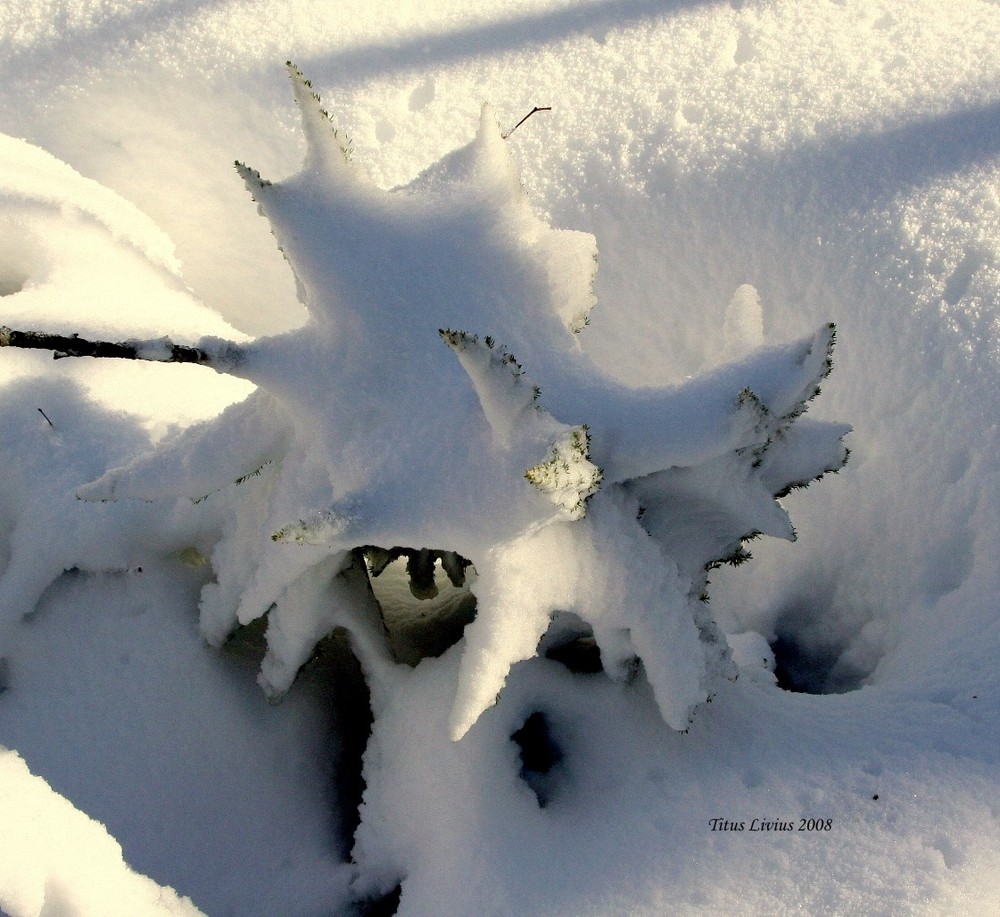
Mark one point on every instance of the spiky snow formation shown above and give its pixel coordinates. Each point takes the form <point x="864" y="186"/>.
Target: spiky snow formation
<point x="568" y="493"/>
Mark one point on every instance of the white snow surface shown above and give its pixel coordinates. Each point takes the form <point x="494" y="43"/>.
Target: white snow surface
<point x="54" y="859"/>
<point x="749" y="171"/>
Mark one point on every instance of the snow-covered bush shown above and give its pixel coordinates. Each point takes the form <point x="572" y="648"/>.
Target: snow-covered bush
<point x="437" y="412"/>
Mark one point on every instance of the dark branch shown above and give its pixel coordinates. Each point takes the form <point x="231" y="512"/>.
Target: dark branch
<point x="525" y="118"/>
<point x="161" y="350"/>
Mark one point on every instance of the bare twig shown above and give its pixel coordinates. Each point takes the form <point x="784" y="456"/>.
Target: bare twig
<point x="525" y="118"/>
<point x="46" y="416"/>
<point x="161" y="350"/>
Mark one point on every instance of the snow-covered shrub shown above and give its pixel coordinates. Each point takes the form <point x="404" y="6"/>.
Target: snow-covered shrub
<point x="85" y="259"/>
<point x="437" y="412"/>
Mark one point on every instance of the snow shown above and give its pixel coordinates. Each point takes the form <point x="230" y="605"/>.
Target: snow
<point x="425" y="467"/>
<point x="749" y="172"/>
<point x="56" y="857"/>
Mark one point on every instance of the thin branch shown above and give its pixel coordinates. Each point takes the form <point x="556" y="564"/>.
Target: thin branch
<point x="46" y="416"/>
<point x="525" y="118"/>
<point x="160" y="350"/>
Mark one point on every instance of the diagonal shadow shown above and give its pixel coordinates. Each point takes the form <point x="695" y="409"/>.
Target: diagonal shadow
<point x="814" y="209"/>
<point x="863" y="169"/>
<point x="358" y="64"/>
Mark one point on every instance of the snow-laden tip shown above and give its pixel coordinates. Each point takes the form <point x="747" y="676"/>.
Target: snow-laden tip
<point x="328" y="150"/>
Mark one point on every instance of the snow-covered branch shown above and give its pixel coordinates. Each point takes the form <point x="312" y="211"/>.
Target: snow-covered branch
<point x="213" y="352"/>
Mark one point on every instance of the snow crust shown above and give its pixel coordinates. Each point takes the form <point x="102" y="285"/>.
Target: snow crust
<point x="749" y="172"/>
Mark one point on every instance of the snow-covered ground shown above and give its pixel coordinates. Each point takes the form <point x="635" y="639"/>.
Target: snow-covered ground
<point x="840" y="158"/>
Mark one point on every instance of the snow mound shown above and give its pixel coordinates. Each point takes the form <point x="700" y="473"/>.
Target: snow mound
<point x="641" y="480"/>
<point x="82" y="259"/>
<point x="56" y="860"/>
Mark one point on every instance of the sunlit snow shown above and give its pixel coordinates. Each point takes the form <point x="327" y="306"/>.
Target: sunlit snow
<point x="748" y="172"/>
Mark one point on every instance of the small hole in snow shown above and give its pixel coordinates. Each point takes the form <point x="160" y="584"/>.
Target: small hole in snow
<point x="425" y="598"/>
<point x="746" y="49"/>
<point x="819" y="647"/>
<point x="539" y="756"/>
<point x="385" y="906"/>
<point x="570" y="641"/>
<point x="423" y="95"/>
<point x="808" y="669"/>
